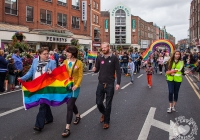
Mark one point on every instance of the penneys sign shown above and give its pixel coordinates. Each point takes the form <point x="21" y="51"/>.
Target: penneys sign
<point x="56" y="39"/>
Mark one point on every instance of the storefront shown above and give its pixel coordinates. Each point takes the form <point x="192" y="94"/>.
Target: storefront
<point x="96" y="46"/>
<point x="45" y="39"/>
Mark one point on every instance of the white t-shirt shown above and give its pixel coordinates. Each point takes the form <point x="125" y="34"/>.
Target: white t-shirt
<point x="37" y="74"/>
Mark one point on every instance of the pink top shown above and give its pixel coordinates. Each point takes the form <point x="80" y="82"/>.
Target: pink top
<point x="160" y="60"/>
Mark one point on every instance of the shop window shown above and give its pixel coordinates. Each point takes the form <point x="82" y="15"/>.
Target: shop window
<point x="76" y="4"/>
<point x="62" y="2"/>
<point x="45" y="16"/>
<point x="11" y="7"/>
<point x="62" y="19"/>
<point x="29" y="14"/>
<point x="75" y="22"/>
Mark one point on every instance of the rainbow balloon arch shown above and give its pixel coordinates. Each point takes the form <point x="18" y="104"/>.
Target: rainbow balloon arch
<point x="157" y="43"/>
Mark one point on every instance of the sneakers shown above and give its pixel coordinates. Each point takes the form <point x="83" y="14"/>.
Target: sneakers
<point x="173" y="109"/>
<point x="169" y="110"/>
<point x="17" y="86"/>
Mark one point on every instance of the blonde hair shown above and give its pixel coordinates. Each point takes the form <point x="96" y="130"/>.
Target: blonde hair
<point x="1" y="52"/>
<point x="106" y="43"/>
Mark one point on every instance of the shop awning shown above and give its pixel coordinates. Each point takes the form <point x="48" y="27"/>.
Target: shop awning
<point x="54" y="32"/>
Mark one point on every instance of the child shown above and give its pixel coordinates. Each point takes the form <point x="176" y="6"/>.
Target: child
<point x="131" y="69"/>
<point x="11" y="74"/>
<point x="149" y="71"/>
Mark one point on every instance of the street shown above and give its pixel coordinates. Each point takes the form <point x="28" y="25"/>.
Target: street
<point x="130" y="108"/>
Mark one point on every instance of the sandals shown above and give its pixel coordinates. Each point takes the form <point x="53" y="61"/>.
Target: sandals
<point x="37" y="129"/>
<point x="66" y="133"/>
<point x="77" y="120"/>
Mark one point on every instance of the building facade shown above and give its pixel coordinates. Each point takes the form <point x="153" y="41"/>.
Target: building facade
<point x="183" y="44"/>
<point x="51" y="23"/>
<point x="121" y="28"/>
<point x="194" y="29"/>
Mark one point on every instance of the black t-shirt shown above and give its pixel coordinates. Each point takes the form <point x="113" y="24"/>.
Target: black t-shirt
<point x="125" y="59"/>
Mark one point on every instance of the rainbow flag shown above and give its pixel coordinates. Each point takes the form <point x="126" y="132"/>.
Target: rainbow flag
<point x="53" y="89"/>
<point x="92" y="55"/>
<point x="191" y="65"/>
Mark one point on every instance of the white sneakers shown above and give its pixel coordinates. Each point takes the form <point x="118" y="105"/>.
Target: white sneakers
<point x="169" y="110"/>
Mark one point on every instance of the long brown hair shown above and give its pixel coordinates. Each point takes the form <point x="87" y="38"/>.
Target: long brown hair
<point x="170" y="63"/>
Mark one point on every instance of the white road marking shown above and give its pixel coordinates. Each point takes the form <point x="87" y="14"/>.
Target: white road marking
<point x="11" y="111"/>
<point x="150" y="121"/>
<point x="9" y="92"/>
<point x="88" y="73"/>
<point x="140" y="76"/>
<point x="88" y="111"/>
<point x="197" y="93"/>
<point x="95" y="74"/>
<point x="126" y="85"/>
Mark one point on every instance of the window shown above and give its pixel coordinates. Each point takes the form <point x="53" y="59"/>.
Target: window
<point x="97" y="6"/>
<point x="76" y="4"/>
<point x="76" y="22"/>
<point x="94" y="18"/>
<point x="62" y="2"/>
<point x="85" y="25"/>
<point x="11" y="7"/>
<point x="97" y="20"/>
<point x="62" y="19"/>
<point x="48" y="0"/>
<point x="45" y="16"/>
<point x="94" y="5"/>
<point x="29" y="13"/>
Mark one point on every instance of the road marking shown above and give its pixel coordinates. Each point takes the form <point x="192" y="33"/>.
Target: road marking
<point x="150" y="121"/>
<point x="126" y="85"/>
<point x="194" y="83"/>
<point x="88" y="73"/>
<point x="11" y="111"/>
<point x="9" y="92"/>
<point x="197" y="93"/>
<point x="140" y="76"/>
<point x="95" y="74"/>
<point x="88" y="111"/>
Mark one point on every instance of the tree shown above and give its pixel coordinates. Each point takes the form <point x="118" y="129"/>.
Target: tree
<point x="119" y="49"/>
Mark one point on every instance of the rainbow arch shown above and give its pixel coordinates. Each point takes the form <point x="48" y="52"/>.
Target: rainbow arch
<point x="157" y="43"/>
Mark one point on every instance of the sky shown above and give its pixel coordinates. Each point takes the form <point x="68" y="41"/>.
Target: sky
<point x="173" y="14"/>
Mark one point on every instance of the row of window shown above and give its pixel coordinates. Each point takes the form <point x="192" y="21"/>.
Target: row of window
<point x="96" y="19"/>
<point x="95" y="5"/>
<point x="147" y="28"/>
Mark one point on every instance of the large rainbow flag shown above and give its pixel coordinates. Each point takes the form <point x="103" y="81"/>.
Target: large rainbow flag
<point x="53" y="89"/>
<point x="92" y="55"/>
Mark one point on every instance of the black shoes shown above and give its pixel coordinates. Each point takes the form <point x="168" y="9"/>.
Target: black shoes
<point x="66" y="133"/>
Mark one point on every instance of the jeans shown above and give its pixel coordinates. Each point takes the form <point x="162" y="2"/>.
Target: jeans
<point x="160" y="67"/>
<point x="155" y="66"/>
<point x="90" y="66"/>
<point x="173" y="90"/>
<point x="2" y="79"/>
<point x="125" y="65"/>
<point x="43" y="115"/>
<point x="103" y="89"/>
<point x="131" y="74"/>
<point x="136" y="67"/>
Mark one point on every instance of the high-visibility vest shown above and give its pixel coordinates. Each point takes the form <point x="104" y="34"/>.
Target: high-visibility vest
<point x="177" y="77"/>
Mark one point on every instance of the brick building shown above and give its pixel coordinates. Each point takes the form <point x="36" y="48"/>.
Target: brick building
<point x="120" y="28"/>
<point x="51" y="23"/>
<point x="183" y="44"/>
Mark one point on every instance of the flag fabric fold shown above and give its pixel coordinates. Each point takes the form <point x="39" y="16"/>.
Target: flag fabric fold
<point x="92" y="55"/>
<point x="53" y="89"/>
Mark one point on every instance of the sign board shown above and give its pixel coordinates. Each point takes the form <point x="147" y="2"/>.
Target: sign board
<point x="145" y="44"/>
<point x="128" y="13"/>
<point x="106" y="25"/>
<point x="56" y="39"/>
<point x="84" y="10"/>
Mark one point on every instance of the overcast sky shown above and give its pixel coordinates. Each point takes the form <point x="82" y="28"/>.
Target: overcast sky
<point x="174" y="14"/>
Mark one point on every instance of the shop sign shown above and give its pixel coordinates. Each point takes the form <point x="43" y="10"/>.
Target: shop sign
<point x="84" y="10"/>
<point x="121" y="7"/>
<point x="56" y="39"/>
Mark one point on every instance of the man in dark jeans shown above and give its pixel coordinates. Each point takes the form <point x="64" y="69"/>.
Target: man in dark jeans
<point x="106" y="65"/>
<point x="125" y="59"/>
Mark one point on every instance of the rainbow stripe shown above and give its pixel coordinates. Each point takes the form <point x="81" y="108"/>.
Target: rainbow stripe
<point x="191" y="65"/>
<point x="92" y="55"/>
<point x="157" y="43"/>
<point x="53" y="89"/>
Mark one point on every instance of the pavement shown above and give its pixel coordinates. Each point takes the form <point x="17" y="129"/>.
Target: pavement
<point x="138" y="113"/>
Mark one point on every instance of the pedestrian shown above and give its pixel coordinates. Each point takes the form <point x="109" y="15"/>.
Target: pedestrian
<point x="75" y="70"/>
<point x="160" y="62"/>
<point x="12" y="74"/>
<point x="39" y="66"/>
<point x="51" y="55"/>
<point x="131" y="67"/>
<point x="125" y="59"/>
<point x="165" y="61"/>
<point x="90" y="63"/>
<point x="56" y="57"/>
<point x="149" y="71"/>
<point x="155" y="62"/>
<point x="18" y="65"/>
<point x="3" y="70"/>
<point x="106" y="65"/>
<point x="174" y="79"/>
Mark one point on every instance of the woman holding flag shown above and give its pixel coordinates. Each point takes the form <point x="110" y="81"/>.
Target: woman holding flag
<point x="39" y="66"/>
<point x="75" y="70"/>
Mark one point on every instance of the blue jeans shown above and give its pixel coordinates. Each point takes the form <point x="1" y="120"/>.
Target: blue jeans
<point x="43" y="115"/>
<point x="155" y="66"/>
<point x="125" y="65"/>
<point x="173" y="90"/>
<point x="131" y="74"/>
<point x="103" y="89"/>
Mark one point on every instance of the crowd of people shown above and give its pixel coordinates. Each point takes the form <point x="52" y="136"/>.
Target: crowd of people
<point x="110" y="66"/>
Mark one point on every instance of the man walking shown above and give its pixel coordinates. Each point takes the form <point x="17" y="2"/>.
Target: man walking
<point x="106" y="64"/>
